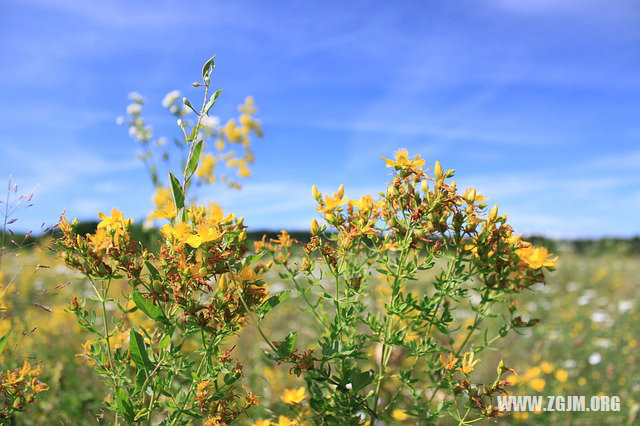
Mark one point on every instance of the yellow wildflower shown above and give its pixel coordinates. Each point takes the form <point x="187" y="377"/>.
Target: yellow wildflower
<point x="261" y="422"/>
<point x="562" y="375"/>
<point x="402" y="160"/>
<point x="472" y="196"/>
<point x="182" y="234"/>
<point x="331" y="202"/>
<point x="365" y="203"/>
<point x="450" y="363"/>
<point x="100" y="240"/>
<point x="294" y="396"/>
<point x="468" y="363"/>
<point x="399" y="414"/>
<point x="247" y="274"/>
<point x="537" y="257"/>
<point x="205" y="168"/>
<point x="115" y="222"/>
<point x="285" y="421"/>
<point x="537" y="384"/>
<point x="546" y="367"/>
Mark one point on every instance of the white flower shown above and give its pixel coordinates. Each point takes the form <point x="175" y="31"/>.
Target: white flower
<point x="570" y="363"/>
<point x="595" y="358"/>
<point x="349" y="386"/>
<point x="119" y="120"/>
<point x="210" y="122"/>
<point x="170" y="98"/>
<point x="625" y="305"/>
<point x="134" y="109"/>
<point x="135" y="96"/>
<point x="600" y="317"/>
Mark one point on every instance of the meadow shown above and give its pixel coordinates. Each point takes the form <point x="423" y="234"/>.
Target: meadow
<point x="585" y="344"/>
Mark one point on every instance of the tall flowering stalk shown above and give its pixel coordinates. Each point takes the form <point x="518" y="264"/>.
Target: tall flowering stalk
<point x="161" y="344"/>
<point x="407" y="291"/>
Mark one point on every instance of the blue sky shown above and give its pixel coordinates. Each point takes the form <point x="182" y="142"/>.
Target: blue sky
<point x="535" y="102"/>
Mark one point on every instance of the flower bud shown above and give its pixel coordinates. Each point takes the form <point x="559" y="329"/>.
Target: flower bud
<point x="316" y="194"/>
<point x="223" y="283"/>
<point x="437" y="170"/>
<point x="340" y="191"/>
<point x="494" y="213"/>
<point x="424" y="185"/>
<point x="315" y="228"/>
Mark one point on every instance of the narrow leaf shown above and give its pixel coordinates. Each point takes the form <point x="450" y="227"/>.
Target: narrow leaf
<point x="124" y="404"/>
<point x="208" y="67"/>
<point x="212" y="101"/>
<point x="272" y="302"/>
<point x="176" y="189"/>
<point x="152" y="311"/>
<point x="3" y="342"/>
<point x="138" y="351"/>
<point x="195" y="157"/>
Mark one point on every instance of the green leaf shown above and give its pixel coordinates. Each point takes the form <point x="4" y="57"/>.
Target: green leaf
<point x="125" y="408"/>
<point x="193" y="160"/>
<point x="138" y="351"/>
<point x="3" y="342"/>
<point x="155" y="275"/>
<point x="176" y="189"/>
<point x="272" y="302"/>
<point x="361" y="380"/>
<point x="152" y="311"/>
<point x="212" y="101"/>
<point x="208" y="67"/>
<point x="286" y="346"/>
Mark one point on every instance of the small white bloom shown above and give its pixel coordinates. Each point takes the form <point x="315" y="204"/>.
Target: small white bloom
<point x="600" y="317"/>
<point x="210" y="122"/>
<point x="349" y="386"/>
<point x="595" y="358"/>
<point x="570" y="363"/>
<point x="135" y="96"/>
<point x="625" y="305"/>
<point x="170" y="98"/>
<point x="134" y="109"/>
<point x="119" y="120"/>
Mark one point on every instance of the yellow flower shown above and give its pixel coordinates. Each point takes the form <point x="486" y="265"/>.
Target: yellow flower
<point x="546" y="367"/>
<point x="402" y="160"/>
<point x="582" y="381"/>
<point x="332" y="202"/>
<point x="207" y="233"/>
<point x="537" y="384"/>
<point x="399" y="414"/>
<point x="182" y="234"/>
<point x="450" y="363"/>
<point x="100" y="240"/>
<point x="562" y="375"/>
<point x="537" y="257"/>
<point x="365" y="203"/>
<point x="294" y="396"/>
<point x="284" y="421"/>
<point x="261" y="422"/>
<point x="205" y="168"/>
<point x="472" y="196"/>
<point x="468" y="363"/>
<point x="115" y="222"/>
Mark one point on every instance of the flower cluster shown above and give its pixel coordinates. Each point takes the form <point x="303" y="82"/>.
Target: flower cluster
<point x="183" y="298"/>
<point x="419" y="225"/>
<point x="19" y="387"/>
